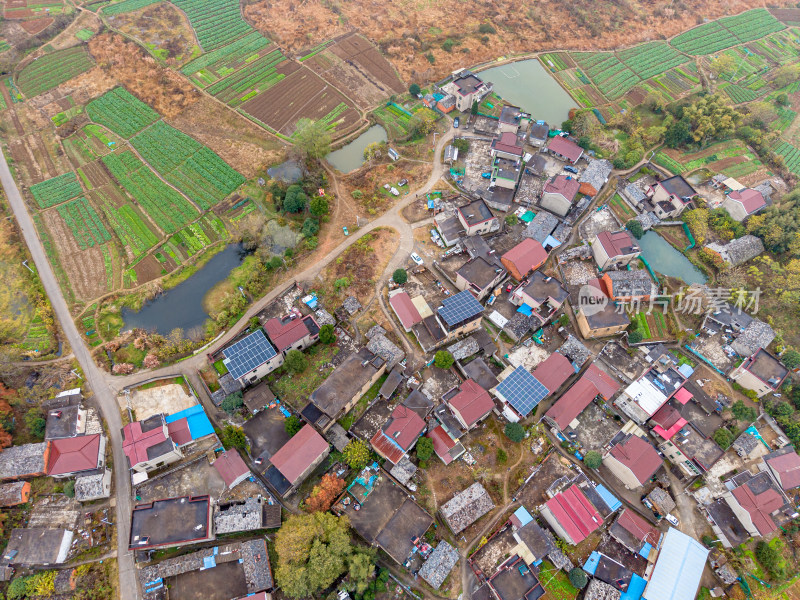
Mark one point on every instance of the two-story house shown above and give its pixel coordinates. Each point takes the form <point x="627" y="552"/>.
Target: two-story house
<point x="559" y="193"/>
<point x="614" y="249"/>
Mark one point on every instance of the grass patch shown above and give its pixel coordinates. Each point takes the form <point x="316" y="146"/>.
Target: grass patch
<point x="220" y="367"/>
<point x="556" y="583"/>
<point x="295" y="389"/>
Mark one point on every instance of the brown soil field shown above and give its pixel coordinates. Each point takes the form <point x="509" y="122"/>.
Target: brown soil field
<point x="37" y="25"/>
<point x="148" y="269"/>
<point x="301" y="94"/>
<point x="370" y="180"/>
<point x="240" y="142"/>
<point x="28" y="170"/>
<point x="165" y="90"/>
<point x="790" y="16"/>
<point x="85" y="269"/>
<point x="407" y="31"/>
<point x="163" y="26"/>
<point x="96" y="173"/>
<point x="42" y="155"/>
<point x="84" y="20"/>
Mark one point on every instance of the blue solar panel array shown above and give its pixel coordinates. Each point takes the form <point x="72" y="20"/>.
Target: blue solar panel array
<point x="522" y="391"/>
<point x="459" y="308"/>
<point x="248" y="353"/>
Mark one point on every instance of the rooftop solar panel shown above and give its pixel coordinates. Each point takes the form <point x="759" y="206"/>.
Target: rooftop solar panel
<point x="459" y="308"/>
<point x="522" y="391"/>
<point x="248" y="353"/>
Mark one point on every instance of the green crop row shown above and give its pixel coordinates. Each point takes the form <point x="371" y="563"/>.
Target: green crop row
<point x="84" y="223"/>
<point x="648" y="60"/>
<point x="53" y="69"/>
<point x="705" y="39"/>
<point x="258" y="76"/>
<point x="555" y="62"/>
<point x="228" y="56"/>
<point x="127" y="225"/>
<point x="215" y="23"/>
<point x="121" y="112"/>
<point x="166" y="207"/>
<point x="127" y="6"/>
<point x="752" y="25"/>
<point x="790" y="154"/>
<point x="56" y="190"/>
<point x="740" y="94"/>
<point x="669" y="163"/>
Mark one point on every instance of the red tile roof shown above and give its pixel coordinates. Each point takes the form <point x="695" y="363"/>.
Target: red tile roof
<point x="575" y="513"/>
<point x="617" y="243"/>
<point x="683" y="395"/>
<point x="472" y="402"/>
<point x="553" y="371"/>
<point x="442" y="444"/>
<point x="398" y="434"/>
<point x="135" y="442"/>
<point x="507" y="142"/>
<point x="638" y="527"/>
<point x="405" y="309"/>
<point x="283" y="335"/>
<point x="759" y="507"/>
<point x="230" y="466"/>
<point x="179" y="431"/>
<point x="566" y="148"/>
<point x="526" y="256"/>
<point x="565" y="185"/>
<point x="72" y="455"/>
<point x="299" y="453"/>
<point x="572" y="403"/>
<point x="639" y="456"/>
<point x="787" y="466"/>
<point x="752" y="200"/>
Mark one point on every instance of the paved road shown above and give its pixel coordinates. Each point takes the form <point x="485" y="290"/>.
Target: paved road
<point x="128" y="588"/>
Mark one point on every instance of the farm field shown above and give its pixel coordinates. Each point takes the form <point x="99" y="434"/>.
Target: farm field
<point x="121" y="112"/>
<point x="731" y="157"/>
<point x="56" y="190"/>
<point x="53" y="69"/>
<point x="790" y="154"/>
<point x="215" y="24"/>
<point x="653" y="326"/>
<point x="726" y="32"/>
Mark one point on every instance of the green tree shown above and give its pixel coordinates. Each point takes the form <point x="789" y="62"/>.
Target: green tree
<point x="723" y="437"/>
<point x="771" y="559"/>
<point x="677" y="134"/>
<point x="743" y="412"/>
<point x="421" y="124"/>
<point x="474" y="108"/>
<point x="326" y="334"/>
<point x="69" y="489"/>
<point x="486" y="28"/>
<point x="295" y="200"/>
<point x="356" y="454"/>
<point x="360" y="572"/>
<point x="791" y="359"/>
<point x="296" y="362"/>
<point x="400" y="276"/>
<point x="424" y="449"/>
<point x="443" y="359"/>
<point x="311" y="139"/>
<point x="782" y="99"/>
<point x="232" y="402"/>
<point x="578" y="578"/>
<point x="515" y="432"/>
<point x="414" y="89"/>
<point x="254" y="323"/>
<point x="593" y="459"/>
<point x="462" y="145"/>
<point x="310" y="227"/>
<point x="234" y="437"/>
<point x="292" y="425"/>
<point x="319" y="206"/>
<point x="313" y="552"/>
<point x="635" y="228"/>
<point x="722" y="65"/>
<point x="35" y="423"/>
<point x="634" y="337"/>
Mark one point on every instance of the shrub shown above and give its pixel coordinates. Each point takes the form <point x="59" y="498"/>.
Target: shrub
<point x="486" y="28"/>
<point x="791" y="358"/>
<point x="424" y="448"/>
<point x="295" y="200"/>
<point x="723" y="437"/>
<point x="515" y="432"/>
<point x="771" y="559"/>
<point x="296" y="361"/>
<point x="743" y="412"/>
<point x="310" y="227"/>
<point x="474" y="109"/>
<point x="233" y="437"/>
<point x="443" y="359"/>
<point x="326" y="334"/>
<point x="69" y="489"/>
<point x="232" y="402"/>
<point x="635" y="337"/>
<point x="635" y="228"/>
<point x="593" y="459"/>
<point x="577" y="577"/>
<point x="356" y="454"/>
<point x="502" y="456"/>
<point x="400" y="276"/>
<point x="292" y="425"/>
<point x="318" y="206"/>
<point x="414" y="89"/>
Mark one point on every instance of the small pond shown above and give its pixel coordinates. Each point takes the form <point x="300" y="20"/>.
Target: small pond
<point x="182" y="306"/>
<point x="287" y="172"/>
<point x="664" y="258"/>
<point x="531" y="87"/>
<point x="351" y="156"/>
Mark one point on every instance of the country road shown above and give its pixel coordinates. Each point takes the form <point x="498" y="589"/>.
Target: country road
<point x="128" y="585"/>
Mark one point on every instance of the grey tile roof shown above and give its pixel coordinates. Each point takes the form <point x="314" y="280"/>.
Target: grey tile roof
<point x="439" y="564"/>
<point x="385" y="348"/>
<point x="574" y="350"/>
<point x="635" y="193"/>
<point x="636" y="282"/>
<point x="19" y="461"/>
<point x="542" y="225"/>
<point x="238" y="516"/>
<point x="464" y="348"/>
<point x="90" y="487"/>
<point x="351" y="305"/>
<point x="466" y="507"/>
<point x="756" y="335"/>
<point x="596" y="173"/>
<point x="738" y="251"/>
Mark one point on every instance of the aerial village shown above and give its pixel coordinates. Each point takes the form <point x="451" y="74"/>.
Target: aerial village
<point x="545" y="398"/>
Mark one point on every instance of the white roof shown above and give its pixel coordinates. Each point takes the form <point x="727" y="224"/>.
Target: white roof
<point x="678" y="569"/>
<point x="731" y="183"/>
<point x="646" y="395"/>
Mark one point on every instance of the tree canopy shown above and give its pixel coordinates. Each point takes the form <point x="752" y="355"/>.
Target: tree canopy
<point x="443" y="359"/>
<point x="296" y="361"/>
<point x="515" y="432"/>
<point x="356" y="454"/>
<point x="295" y="200"/>
<point x="635" y="228"/>
<point x="326" y="334"/>
<point x="312" y="139"/>
<point x="400" y="276"/>
<point x="593" y="459"/>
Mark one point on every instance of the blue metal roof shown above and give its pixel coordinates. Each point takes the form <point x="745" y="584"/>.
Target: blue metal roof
<point x="248" y="353"/>
<point x="522" y="391"/>
<point x="678" y="569"/>
<point x="644" y="552"/>
<point x="590" y="566"/>
<point x="609" y="498"/>
<point x="523" y="516"/>
<point x="635" y="588"/>
<point x="459" y="308"/>
<point x="199" y="425"/>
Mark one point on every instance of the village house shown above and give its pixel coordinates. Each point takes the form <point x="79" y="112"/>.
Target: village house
<point x="571" y="515"/>
<point x="565" y="149"/>
<point x="762" y="373"/>
<point x="37" y="546"/>
<point x="23" y="461"/>
<point x="171" y="522"/>
<point x="508" y="146"/>
<point x="68" y="457"/>
<point x="670" y="196"/>
<point x="296" y="460"/>
<point x="595" y="176"/>
<point x="343" y="388"/>
<point x="467" y="88"/>
<point x="614" y="249"/>
<point x="458" y="315"/>
<point x="148" y="445"/>
<point x="439" y="564"/>
<point x="631" y="458"/>
<point x="477" y="219"/>
<point x="660" y="502"/>
<point x="679" y="568"/>
<point x="593" y="383"/>
<point x="13" y="494"/>
<point x="634" y="533"/>
<point x="512" y="119"/>
<point x="524" y="258"/>
<point x="742" y="203"/>
<point x="64" y="422"/>
<point x="480" y="276"/>
<point x="738" y="251"/>
<point x="542" y="295"/>
<point x="538" y="134"/>
<point x="627" y="286"/>
<point x="645" y="395"/>
<point x="784" y="464"/>
<point x="470" y="403"/>
<point x="750" y="333"/>
<point x="505" y="175"/>
<point x="758" y="503"/>
<point x="93" y="486"/>
<point x="231" y="468"/>
<point x="404" y="308"/>
<point x="559" y="193"/>
<point x="598" y="317"/>
<point x="541" y="229"/>
<point x="406" y="423"/>
<point x="466" y="507"/>
<point x="251" y="358"/>
<point x="292" y="333"/>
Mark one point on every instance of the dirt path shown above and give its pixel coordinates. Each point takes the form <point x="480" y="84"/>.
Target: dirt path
<point x="511" y="470"/>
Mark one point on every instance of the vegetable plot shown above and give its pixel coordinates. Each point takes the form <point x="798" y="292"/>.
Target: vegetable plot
<point x="56" y="190"/>
<point x="84" y="223"/>
<point x="121" y="112"/>
<point x="52" y="70"/>
<point x="215" y="23"/>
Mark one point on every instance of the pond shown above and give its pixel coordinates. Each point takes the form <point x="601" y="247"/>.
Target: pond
<point x="531" y="87"/>
<point x="664" y="258"/>
<point x="182" y="306"/>
<point x="287" y="172"/>
<point x="351" y="156"/>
